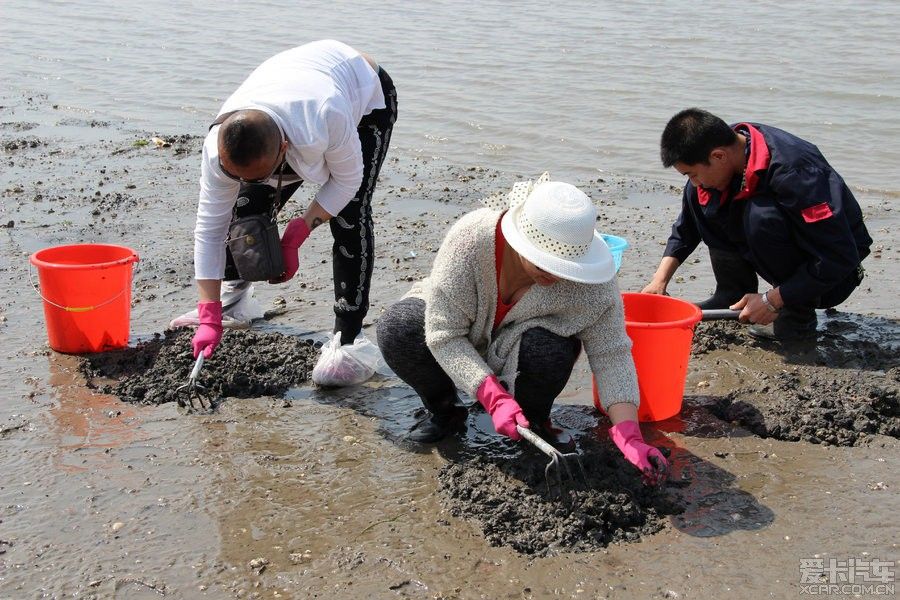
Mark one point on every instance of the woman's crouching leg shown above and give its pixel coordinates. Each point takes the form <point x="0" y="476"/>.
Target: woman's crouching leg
<point x="401" y="338"/>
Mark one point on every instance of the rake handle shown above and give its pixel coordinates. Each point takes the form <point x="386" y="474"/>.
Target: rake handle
<point x="719" y="314"/>
<point x="197" y="366"/>
<point x="537" y="441"/>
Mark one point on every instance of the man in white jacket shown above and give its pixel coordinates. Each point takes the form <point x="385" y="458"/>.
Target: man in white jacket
<point x="322" y="112"/>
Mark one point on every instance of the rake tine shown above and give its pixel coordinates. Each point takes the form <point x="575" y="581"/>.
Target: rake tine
<point x="550" y="451"/>
<point x="547" y="474"/>
<point x="584" y="477"/>
<point x="196" y="403"/>
<point x="574" y="455"/>
<point x="192" y="388"/>
<point x="180" y="393"/>
<point x="554" y="462"/>
<point x="565" y="463"/>
<point x="179" y="396"/>
<point x="202" y="397"/>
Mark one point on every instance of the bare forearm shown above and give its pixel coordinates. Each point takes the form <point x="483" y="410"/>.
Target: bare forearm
<point x="622" y="411"/>
<point x="315" y="215"/>
<point x="663" y="275"/>
<point x="667" y="267"/>
<point x="210" y="290"/>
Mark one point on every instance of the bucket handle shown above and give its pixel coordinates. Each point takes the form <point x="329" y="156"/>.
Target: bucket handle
<point x="74" y="309"/>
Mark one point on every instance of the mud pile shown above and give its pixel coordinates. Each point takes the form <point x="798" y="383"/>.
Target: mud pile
<point x="510" y="500"/>
<point x="719" y="335"/>
<point x="821" y="407"/>
<point x="840" y="390"/>
<point x="245" y="365"/>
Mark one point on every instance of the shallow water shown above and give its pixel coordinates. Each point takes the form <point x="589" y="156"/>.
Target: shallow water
<point x="578" y="89"/>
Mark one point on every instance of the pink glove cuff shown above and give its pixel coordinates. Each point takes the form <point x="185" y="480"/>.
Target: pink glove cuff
<point x="295" y="233"/>
<point x="624" y="432"/>
<point x="504" y="410"/>
<point x="209" y="334"/>
<point x="489" y="393"/>
<point x="210" y="313"/>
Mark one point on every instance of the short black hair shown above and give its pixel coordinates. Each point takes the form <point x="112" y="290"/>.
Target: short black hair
<point x="691" y="135"/>
<point x="249" y="135"/>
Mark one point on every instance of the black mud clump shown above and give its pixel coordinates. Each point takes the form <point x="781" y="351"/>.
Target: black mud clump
<point x="183" y="143"/>
<point x="245" y="365"/>
<point x="23" y="143"/>
<point x="719" y="335"/>
<point x="822" y="407"/>
<point x="510" y="500"/>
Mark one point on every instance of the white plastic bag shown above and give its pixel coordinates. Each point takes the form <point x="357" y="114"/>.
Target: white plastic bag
<point x="237" y="316"/>
<point x="242" y="314"/>
<point x="346" y="365"/>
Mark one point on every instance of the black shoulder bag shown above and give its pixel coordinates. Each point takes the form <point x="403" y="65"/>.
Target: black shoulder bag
<point x="253" y="240"/>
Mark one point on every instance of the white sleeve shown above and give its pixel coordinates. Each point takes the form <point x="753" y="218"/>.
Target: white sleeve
<point x="218" y="194"/>
<point x="343" y="157"/>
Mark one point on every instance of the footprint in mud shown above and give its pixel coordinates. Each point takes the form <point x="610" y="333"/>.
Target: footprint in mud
<point x="245" y="365"/>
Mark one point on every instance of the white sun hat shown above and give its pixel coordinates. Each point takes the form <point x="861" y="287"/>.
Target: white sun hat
<point x="551" y="224"/>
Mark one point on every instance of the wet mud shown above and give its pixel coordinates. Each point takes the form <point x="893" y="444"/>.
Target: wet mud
<point x="245" y="365"/>
<point x="111" y="491"/>
<point x="840" y="389"/>
<point x="515" y="505"/>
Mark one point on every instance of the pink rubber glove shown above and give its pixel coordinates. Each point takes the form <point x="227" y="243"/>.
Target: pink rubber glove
<point x="504" y="410"/>
<point x="293" y="237"/>
<point x="209" y="334"/>
<point x="627" y="436"/>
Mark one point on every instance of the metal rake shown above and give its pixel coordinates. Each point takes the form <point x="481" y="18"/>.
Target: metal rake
<point x="195" y="391"/>
<point x="559" y="461"/>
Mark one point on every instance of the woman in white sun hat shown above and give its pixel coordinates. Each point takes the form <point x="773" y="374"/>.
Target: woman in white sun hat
<point x="512" y="298"/>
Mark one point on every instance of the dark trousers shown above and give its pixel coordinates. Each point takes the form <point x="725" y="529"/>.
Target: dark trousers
<point x="352" y="229"/>
<point x="777" y="253"/>
<point x="546" y="361"/>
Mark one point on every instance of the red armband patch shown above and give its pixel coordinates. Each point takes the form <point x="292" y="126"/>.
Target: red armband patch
<point x="815" y="213"/>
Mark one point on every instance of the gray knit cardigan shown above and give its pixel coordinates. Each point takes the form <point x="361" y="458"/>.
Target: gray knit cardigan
<point x="461" y="301"/>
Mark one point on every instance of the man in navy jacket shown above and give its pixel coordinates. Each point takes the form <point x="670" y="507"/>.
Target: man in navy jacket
<point x="765" y="202"/>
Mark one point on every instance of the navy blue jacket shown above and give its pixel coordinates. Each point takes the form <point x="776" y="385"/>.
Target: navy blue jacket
<point x="787" y="179"/>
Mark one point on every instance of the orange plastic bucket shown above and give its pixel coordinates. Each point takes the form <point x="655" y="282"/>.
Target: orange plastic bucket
<point x="86" y="290"/>
<point x="661" y="329"/>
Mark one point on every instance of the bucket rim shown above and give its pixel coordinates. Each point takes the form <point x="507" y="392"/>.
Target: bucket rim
<point x="39" y="262"/>
<point x="618" y="242"/>
<point x="689" y="321"/>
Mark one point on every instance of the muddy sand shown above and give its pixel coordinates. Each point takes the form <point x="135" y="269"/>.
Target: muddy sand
<point x="287" y="491"/>
<point x="841" y="390"/>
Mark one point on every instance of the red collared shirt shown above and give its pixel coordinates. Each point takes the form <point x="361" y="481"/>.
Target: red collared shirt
<point x="500" y="243"/>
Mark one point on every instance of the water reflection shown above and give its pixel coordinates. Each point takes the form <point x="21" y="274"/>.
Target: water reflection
<point x="87" y="424"/>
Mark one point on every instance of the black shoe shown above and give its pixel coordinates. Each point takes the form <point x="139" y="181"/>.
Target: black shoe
<point x="792" y="325"/>
<point x="734" y="278"/>
<point x="436" y="427"/>
<point x="554" y="436"/>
